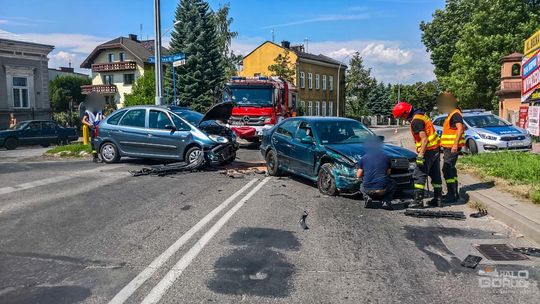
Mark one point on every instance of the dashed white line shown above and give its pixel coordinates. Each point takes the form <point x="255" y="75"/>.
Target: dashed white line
<point x="161" y="288"/>
<point x="144" y="275"/>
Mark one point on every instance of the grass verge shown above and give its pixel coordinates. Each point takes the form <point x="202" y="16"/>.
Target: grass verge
<point x="71" y="150"/>
<point x="517" y="172"/>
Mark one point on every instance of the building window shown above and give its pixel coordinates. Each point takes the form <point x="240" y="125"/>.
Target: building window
<point x="121" y="56"/>
<point x="129" y="79"/>
<point x="108" y="79"/>
<point x="331" y="82"/>
<point x="323" y="110"/>
<point x="310" y="108"/>
<point x="330" y="108"/>
<point x="317" y="81"/>
<point x="20" y="92"/>
<point x="303" y="108"/>
<point x="310" y="80"/>
<point x="110" y="57"/>
<point x="302" y="80"/>
<point x="516" y="69"/>
<point x="324" y="82"/>
<point x="318" y="108"/>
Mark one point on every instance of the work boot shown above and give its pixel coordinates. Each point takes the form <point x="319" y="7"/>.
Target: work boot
<point x="387" y="205"/>
<point x="436" y="201"/>
<point x="451" y="197"/>
<point x="418" y="199"/>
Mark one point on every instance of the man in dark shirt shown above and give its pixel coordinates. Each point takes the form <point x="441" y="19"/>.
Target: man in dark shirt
<point x="374" y="170"/>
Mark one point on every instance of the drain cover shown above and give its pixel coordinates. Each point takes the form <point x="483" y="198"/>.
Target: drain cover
<point x="500" y="252"/>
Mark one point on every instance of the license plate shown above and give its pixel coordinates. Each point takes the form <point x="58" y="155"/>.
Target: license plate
<point x="515" y="144"/>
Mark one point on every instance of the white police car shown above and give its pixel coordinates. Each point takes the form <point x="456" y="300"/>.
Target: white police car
<point x="486" y="132"/>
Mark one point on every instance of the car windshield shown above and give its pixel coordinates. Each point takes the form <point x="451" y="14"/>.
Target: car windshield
<point x="191" y="116"/>
<point x="252" y="96"/>
<point x="342" y="132"/>
<point x="484" y="121"/>
<point x="18" y="126"/>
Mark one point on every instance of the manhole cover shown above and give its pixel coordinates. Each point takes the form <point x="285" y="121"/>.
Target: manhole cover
<point x="500" y="252"/>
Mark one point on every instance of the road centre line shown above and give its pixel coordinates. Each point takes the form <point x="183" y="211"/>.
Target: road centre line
<point x="147" y="272"/>
<point x="51" y="180"/>
<point x="168" y="280"/>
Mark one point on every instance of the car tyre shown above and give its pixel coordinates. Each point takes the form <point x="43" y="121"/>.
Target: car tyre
<point x="326" y="181"/>
<point x="11" y="143"/>
<point x="63" y="141"/>
<point x="193" y="154"/>
<point x="45" y="145"/>
<point x="472" y="147"/>
<point x="272" y="164"/>
<point x="109" y="153"/>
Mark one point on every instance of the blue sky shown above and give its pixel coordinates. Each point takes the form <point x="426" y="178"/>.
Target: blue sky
<point x="385" y="32"/>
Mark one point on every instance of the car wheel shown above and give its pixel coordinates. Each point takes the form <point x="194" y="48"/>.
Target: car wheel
<point x="109" y="153"/>
<point x="326" y="181"/>
<point x="11" y="143"/>
<point x="472" y="146"/>
<point x="272" y="163"/>
<point x="45" y="145"/>
<point x="63" y="141"/>
<point x="193" y="154"/>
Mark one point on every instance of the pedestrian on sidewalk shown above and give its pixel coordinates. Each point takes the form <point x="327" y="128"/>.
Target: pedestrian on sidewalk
<point x="12" y="120"/>
<point x="91" y="118"/>
<point x="374" y="169"/>
<point x="452" y="141"/>
<point x="428" y="161"/>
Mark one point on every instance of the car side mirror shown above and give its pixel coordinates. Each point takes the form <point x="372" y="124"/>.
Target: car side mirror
<point x="381" y="138"/>
<point x="170" y="127"/>
<point x="307" y="140"/>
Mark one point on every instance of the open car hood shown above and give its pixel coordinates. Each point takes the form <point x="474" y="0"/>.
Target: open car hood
<point x="221" y="111"/>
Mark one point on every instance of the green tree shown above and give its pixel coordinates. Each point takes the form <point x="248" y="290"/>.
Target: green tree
<point x="378" y="100"/>
<point x="66" y="88"/>
<point x="358" y="84"/>
<point x="200" y="81"/>
<point x="225" y="37"/>
<point x="283" y="67"/>
<point x="422" y="95"/>
<point x="143" y="91"/>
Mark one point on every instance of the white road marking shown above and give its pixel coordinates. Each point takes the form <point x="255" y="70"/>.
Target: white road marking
<point x="54" y="179"/>
<point x="161" y="288"/>
<point x="139" y="280"/>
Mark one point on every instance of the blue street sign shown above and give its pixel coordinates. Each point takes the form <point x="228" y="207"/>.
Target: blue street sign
<point x="167" y="58"/>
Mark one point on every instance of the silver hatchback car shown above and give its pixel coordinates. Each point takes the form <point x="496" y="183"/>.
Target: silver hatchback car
<point x="159" y="133"/>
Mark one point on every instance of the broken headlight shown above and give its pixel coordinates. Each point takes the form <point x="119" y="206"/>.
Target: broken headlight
<point x="218" y="139"/>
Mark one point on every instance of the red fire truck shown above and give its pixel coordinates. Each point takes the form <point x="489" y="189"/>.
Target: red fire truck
<point x="260" y="103"/>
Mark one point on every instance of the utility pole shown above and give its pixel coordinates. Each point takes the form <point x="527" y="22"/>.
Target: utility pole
<point x="157" y="52"/>
<point x="306" y="42"/>
<point x="273" y="35"/>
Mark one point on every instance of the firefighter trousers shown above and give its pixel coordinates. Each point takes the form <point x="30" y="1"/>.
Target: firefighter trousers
<point x="431" y="167"/>
<point x="449" y="166"/>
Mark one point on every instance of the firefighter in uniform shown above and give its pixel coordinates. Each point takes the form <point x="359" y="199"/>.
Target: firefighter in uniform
<point x="452" y="141"/>
<point x="427" y="144"/>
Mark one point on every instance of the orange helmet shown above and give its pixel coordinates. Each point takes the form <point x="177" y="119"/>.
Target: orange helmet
<point x="402" y="110"/>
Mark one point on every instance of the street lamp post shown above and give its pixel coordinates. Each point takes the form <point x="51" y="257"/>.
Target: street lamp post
<point x="157" y="52"/>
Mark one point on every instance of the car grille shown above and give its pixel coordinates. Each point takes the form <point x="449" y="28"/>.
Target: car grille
<point x="510" y="138"/>
<point x="400" y="163"/>
<point x="247" y="120"/>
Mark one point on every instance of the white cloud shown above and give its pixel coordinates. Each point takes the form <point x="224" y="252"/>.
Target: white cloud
<point x="378" y="52"/>
<point x="322" y="18"/>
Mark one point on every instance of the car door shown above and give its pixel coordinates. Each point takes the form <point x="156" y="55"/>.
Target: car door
<point x="182" y="134"/>
<point x="31" y="134"/>
<point x="163" y="140"/>
<point x="131" y="134"/>
<point x="49" y="132"/>
<point x="282" y="141"/>
<point x="303" y="152"/>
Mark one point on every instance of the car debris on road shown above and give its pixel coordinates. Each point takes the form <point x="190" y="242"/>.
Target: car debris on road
<point x="453" y="215"/>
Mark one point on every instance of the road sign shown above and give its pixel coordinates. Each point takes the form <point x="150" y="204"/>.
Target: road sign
<point x="178" y="63"/>
<point x="167" y="58"/>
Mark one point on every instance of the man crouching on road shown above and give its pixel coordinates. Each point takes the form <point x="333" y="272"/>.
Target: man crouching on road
<point x="374" y="170"/>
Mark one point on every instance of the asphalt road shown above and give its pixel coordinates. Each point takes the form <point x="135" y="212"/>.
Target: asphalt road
<point x="72" y="231"/>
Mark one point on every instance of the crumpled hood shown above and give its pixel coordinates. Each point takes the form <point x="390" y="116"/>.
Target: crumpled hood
<point x="356" y="151"/>
<point x="221" y="111"/>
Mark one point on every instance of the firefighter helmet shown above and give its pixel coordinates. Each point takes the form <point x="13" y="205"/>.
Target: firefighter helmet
<point x="402" y="110"/>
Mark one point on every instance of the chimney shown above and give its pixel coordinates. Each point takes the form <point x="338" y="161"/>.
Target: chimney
<point x="66" y="69"/>
<point x="286" y="44"/>
<point x="133" y="37"/>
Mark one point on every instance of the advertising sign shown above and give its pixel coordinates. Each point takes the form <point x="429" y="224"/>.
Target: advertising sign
<point x="530" y="80"/>
<point x="532" y="44"/>
<point x="533" y="124"/>
<point x="522" y="118"/>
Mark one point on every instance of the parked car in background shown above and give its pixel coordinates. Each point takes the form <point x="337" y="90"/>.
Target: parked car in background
<point x="159" y="133"/>
<point x="36" y="132"/>
<point x="326" y="150"/>
<point x="486" y="132"/>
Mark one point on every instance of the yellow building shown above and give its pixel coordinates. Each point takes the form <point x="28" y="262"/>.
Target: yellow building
<point x="116" y="65"/>
<point x="320" y="79"/>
